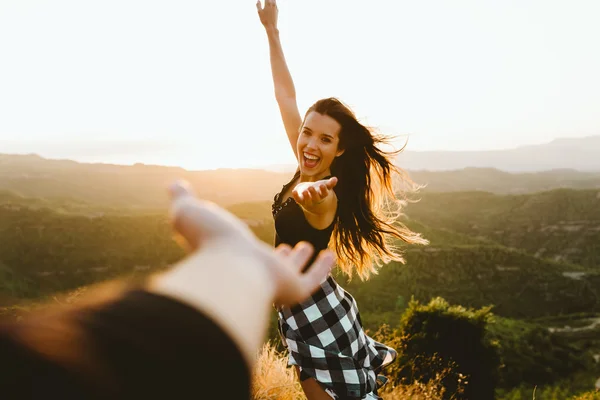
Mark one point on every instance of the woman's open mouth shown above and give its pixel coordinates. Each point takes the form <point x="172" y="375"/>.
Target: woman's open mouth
<point x="310" y="160"/>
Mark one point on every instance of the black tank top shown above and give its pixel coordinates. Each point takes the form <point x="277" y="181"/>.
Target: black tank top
<point x="292" y="227"/>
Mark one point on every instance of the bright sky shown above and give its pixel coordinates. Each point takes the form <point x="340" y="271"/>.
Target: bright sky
<point x="188" y="82"/>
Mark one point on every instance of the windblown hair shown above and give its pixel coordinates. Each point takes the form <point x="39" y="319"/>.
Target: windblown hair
<point x="371" y="191"/>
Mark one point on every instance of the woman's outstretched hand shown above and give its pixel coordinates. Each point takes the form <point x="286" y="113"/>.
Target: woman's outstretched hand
<point x="309" y="194"/>
<point x="268" y="13"/>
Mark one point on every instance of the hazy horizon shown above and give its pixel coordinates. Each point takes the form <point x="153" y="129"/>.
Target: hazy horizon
<point x="130" y="153"/>
<point x="188" y="84"/>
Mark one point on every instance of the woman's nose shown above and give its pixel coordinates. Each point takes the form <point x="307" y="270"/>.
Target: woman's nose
<point x="312" y="144"/>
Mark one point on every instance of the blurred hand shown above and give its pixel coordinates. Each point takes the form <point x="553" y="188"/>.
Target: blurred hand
<point x="208" y="228"/>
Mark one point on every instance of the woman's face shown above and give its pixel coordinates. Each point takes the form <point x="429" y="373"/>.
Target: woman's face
<point x="317" y="145"/>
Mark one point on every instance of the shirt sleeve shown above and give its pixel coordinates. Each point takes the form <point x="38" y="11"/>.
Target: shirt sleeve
<point x="140" y="345"/>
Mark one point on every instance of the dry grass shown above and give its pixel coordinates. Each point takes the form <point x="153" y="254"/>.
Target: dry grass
<point x="273" y="379"/>
<point x="416" y="391"/>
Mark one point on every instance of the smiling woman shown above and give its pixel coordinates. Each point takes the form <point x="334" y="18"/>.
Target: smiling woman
<point x="337" y="198"/>
<point x="318" y="143"/>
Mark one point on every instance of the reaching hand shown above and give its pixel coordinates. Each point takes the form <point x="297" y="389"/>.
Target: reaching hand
<point x="268" y="13"/>
<point x="308" y="194"/>
<point x="211" y="229"/>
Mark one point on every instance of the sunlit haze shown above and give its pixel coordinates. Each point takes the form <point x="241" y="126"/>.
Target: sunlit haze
<point x="188" y="82"/>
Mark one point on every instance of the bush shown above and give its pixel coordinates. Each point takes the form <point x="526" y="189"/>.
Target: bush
<point x="449" y="343"/>
<point x="588" y="396"/>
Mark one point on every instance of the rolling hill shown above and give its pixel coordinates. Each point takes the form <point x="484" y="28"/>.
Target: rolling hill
<point x="42" y="251"/>
<point x="532" y="256"/>
<point x="561" y="224"/>
<point x="564" y="153"/>
<point x="142" y="187"/>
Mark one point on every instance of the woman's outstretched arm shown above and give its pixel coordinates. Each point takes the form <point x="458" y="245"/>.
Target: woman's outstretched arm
<point x="285" y="91"/>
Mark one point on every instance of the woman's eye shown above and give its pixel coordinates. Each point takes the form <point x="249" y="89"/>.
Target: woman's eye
<point x="326" y="140"/>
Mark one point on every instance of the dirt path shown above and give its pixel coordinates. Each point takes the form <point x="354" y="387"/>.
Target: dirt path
<point x="591" y="330"/>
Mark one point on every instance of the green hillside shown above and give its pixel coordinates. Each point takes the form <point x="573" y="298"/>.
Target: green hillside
<point x="562" y="224"/>
<point x="42" y="250"/>
<point x="51" y="246"/>
<point x="45" y="247"/>
<point x="517" y="285"/>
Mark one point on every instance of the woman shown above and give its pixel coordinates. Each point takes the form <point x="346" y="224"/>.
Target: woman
<point x="341" y="196"/>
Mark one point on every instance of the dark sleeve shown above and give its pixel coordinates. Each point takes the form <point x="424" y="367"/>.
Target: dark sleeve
<point x="140" y="345"/>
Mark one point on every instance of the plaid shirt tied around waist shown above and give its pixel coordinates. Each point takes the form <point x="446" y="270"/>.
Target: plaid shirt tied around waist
<point x="325" y="339"/>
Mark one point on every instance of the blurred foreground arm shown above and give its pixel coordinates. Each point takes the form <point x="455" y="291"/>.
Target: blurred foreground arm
<point x="232" y="275"/>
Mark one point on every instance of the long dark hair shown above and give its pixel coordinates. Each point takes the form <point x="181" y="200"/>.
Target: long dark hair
<point x="369" y="205"/>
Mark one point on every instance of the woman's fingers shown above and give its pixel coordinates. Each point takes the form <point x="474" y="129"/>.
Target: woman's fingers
<point x="307" y="196"/>
<point x="331" y="182"/>
<point x="323" y="191"/>
<point x="314" y="193"/>
<point x="297" y="196"/>
<point x="304" y="196"/>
